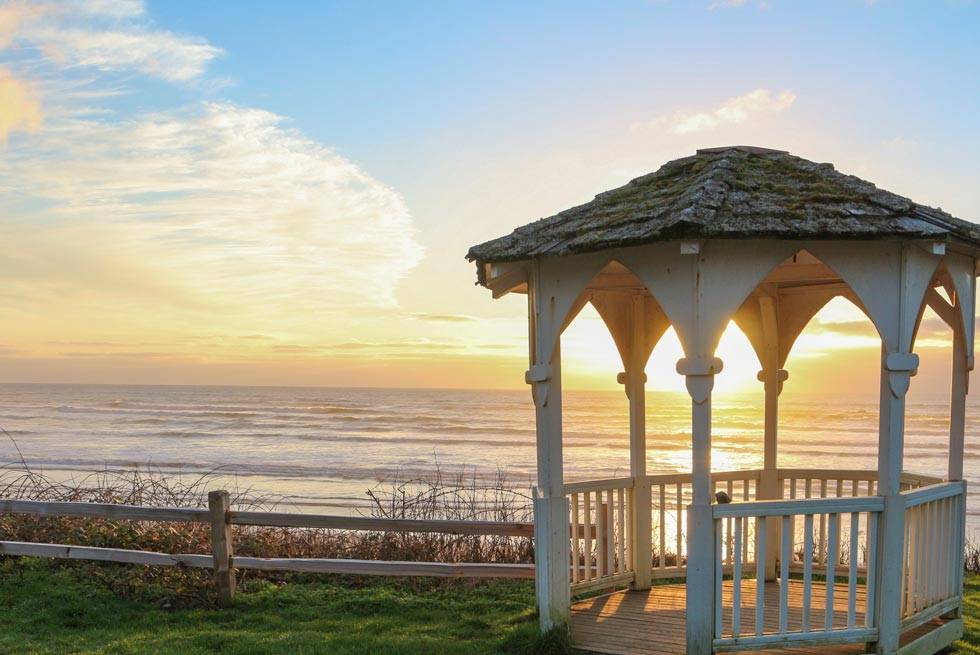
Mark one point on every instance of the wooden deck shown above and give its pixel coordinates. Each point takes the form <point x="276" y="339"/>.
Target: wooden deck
<point x="652" y="622"/>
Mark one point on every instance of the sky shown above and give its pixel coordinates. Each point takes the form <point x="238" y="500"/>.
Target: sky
<point x="283" y="193"/>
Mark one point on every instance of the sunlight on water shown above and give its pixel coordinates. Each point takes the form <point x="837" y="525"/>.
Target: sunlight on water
<point x="326" y="447"/>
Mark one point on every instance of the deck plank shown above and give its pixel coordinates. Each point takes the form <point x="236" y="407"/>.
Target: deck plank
<point x="652" y="622"/>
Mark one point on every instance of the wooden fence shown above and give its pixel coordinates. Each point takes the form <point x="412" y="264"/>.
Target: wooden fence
<point x="223" y="561"/>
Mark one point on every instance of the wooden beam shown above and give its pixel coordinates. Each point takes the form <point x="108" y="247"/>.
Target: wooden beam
<point x="943" y="309"/>
<point x="62" y="551"/>
<point x="291" y="520"/>
<point x="107" y="511"/>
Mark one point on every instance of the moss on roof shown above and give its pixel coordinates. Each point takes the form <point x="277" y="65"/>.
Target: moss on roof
<point x="736" y="192"/>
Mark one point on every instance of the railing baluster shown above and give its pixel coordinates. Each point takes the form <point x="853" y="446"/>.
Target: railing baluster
<point x="919" y="558"/>
<point x="587" y="520"/>
<point x="906" y="562"/>
<point x="663" y="526"/>
<point x="680" y="521"/>
<point x="871" y="570"/>
<point x="760" y="574"/>
<point x="852" y="574"/>
<point x="573" y="501"/>
<point x="807" y="567"/>
<point x="600" y="535"/>
<point x="784" y="559"/>
<point x="737" y="580"/>
<point x="728" y="524"/>
<point x="610" y="533"/>
<point x="822" y="552"/>
<point x="719" y="575"/>
<point x="745" y="524"/>
<point x="621" y="528"/>
<point x="833" y="537"/>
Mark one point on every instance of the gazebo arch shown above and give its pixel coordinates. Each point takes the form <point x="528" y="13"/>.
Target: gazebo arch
<point x="765" y="239"/>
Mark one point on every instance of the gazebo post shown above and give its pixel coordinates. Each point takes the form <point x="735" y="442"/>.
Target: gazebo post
<point x="641" y="545"/>
<point x="896" y="369"/>
<point x="772" y="377"/>
<point x="551" y="507"/>
<point x="700" y="379"/>
<point x="957" y="403"/>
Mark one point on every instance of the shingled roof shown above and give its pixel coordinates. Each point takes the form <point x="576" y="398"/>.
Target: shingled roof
<point x="730" y="192"/>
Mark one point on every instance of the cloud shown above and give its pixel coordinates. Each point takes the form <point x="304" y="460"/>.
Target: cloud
<point x="734" y="111"/>
<point x="211" y="206"/>
<point x="19" y="107"/>
<point x="443" y="318"/>
<point x="140" y="224"/>
<point x="107" y="35"/>
<point x="734" y="4"/>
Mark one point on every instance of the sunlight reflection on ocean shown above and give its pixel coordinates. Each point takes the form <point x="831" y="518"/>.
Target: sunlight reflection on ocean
<point x="323" y="448"/>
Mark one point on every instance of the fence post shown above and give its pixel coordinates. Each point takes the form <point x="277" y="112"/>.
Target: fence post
<point x="221" y="547"/>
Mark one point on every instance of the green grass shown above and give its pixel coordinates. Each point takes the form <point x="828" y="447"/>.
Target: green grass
<point x="47" y="607"/>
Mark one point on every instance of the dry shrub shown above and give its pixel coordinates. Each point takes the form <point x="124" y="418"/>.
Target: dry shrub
<point x="461" y="496"/>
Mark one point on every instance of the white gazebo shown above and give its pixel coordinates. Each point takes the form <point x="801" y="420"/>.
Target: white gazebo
<point x="835" y="561"/>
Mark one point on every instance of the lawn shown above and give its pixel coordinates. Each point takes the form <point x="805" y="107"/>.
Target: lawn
<point x="49" y="608"/>
<point x="58" y="609"/>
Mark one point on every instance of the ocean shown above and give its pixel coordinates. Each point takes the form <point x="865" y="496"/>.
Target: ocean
<point x="322" y="449"/>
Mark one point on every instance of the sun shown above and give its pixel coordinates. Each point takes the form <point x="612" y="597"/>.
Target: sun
<point x="590" y="359"/>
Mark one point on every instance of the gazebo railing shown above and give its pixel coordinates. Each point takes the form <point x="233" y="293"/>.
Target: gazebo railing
<point x="600" y="515"/>
<point x="933" y="552"/>
<point x="815" y="616"/>
<point x="600" y="529"/>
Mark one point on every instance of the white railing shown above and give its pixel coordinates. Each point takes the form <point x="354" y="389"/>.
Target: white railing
<point x="669" y="496"/>
<point x="806" y="612"/>
<point x="600" y="514"/>
<point x="933" y="551"/>
<point x="809" y="483"/>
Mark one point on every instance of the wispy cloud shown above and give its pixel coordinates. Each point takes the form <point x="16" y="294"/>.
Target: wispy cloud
<point x="208" y="215"/>
<point x="443" y="318"/>
<point x="108" y="35"/>
<point x="731" y="4"/>
<point x="19" y="106"/>
<point x="734" y="111"/>
<point x="227" y="205"/>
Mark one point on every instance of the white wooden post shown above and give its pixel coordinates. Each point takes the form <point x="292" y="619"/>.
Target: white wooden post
<point x="552" y="555"/>
<point x="957" y="403"/>
<point x="896" y="370"/>
<point x="641" y="537"/>
<point x="772" y="377"/>
<point x="700" y="378"/>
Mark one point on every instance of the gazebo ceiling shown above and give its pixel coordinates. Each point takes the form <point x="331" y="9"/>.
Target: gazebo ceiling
<point x="731" y="192"/>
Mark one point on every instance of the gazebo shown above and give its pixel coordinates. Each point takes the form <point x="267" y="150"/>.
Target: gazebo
<point x="831" y="560"/>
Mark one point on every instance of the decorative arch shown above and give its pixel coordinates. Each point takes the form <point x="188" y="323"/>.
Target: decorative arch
<point x="793" y="307"/>
<point x="889" y="278"/>
<point x="569" y="284"/>
<point x="700" y="291"/>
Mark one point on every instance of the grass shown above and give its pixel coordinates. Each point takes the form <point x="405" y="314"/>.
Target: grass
<point x="55" y="608"/>
<point x="52" y="607"/>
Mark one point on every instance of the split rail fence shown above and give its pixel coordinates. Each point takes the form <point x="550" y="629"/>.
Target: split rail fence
<point x="223" y="561"/>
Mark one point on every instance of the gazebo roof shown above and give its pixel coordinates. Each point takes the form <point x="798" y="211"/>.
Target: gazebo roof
<point x="729" y="192"/>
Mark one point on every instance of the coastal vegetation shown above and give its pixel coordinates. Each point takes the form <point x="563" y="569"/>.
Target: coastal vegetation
<point x="92" y="607"/>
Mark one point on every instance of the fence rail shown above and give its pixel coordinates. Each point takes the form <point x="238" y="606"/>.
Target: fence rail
<point x="223" y="561"/>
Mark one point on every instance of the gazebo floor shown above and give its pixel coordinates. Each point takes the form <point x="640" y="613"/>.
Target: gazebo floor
<point x="652" y="622"/>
